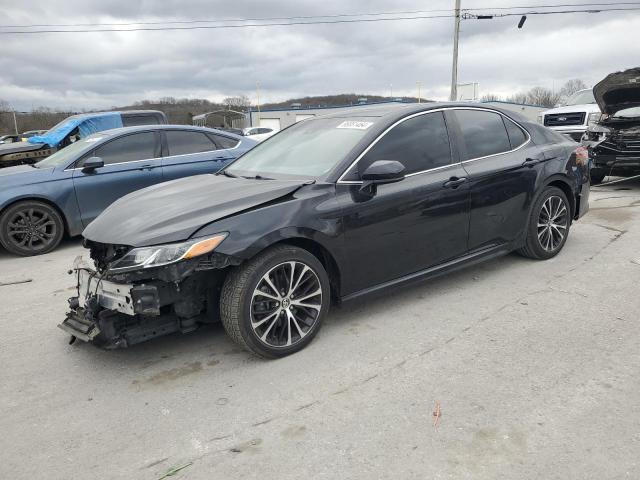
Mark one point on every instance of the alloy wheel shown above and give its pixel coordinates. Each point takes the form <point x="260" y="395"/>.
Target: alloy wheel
<point x="32" y="228"/>
<point x="553" y="221"/>
<point x="286" y="304"/>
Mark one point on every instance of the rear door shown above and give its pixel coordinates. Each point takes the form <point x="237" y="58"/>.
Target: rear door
<point x="192" y="152"/>
<point x="412" y="224"/>
<point x="502" y="165"/>
<point x="131" y="162"/>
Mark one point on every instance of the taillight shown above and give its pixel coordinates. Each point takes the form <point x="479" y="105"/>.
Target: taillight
<point x="582" y="156"/>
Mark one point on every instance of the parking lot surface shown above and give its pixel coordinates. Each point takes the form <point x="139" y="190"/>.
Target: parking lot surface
<point x="534" y="366"/>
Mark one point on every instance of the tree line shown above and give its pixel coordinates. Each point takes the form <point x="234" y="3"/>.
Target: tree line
<point x="182" y="110"/>
<point x="541" y="96"/>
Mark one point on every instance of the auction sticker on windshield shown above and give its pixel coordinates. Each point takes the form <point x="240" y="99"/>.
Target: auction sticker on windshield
<point x="355" y="125"/>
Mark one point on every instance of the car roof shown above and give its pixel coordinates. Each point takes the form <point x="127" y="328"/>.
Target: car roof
<point x="121" y="112"/>
<point x="391" y="112"/>
<point x="145" y="128"/>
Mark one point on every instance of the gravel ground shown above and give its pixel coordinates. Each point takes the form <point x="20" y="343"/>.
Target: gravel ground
<point x="535" y="366"/>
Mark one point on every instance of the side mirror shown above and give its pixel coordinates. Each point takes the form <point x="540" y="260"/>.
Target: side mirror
<point x="92" y="163"/>
<point x="383" y="171"/>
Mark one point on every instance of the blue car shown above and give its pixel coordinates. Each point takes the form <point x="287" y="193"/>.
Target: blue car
<point x="62" y="194"/>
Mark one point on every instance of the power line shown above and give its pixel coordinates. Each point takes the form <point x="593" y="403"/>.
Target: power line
<point x="255" y="19"/>
<point x="526" y="13"/>
<point x="311" y="17"/>
<point x="318" y="22"/>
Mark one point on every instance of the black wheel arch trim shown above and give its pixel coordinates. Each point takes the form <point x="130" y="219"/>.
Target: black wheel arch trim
<point x="567" y="186"/>
<point x="315" y="242"/>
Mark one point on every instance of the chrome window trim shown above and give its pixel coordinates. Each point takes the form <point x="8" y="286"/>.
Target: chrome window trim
<point x="340" y="180"/>
<point x="118" y="163"/>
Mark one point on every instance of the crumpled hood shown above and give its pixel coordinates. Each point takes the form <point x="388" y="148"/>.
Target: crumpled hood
<point x="618" y="91"/>
<point x="17" y="147"/>
<point x="175" y="210"/>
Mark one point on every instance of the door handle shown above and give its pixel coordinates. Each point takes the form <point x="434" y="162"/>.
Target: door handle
<point x="454" y="182"/>
<point x="148" y="166"/>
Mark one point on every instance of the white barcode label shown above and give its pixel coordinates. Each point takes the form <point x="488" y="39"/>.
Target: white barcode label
<point x="355" y="125"/>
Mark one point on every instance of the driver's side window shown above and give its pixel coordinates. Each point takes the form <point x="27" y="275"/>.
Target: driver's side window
<point x="419" y="143"/>
<point x="138" y="146"/>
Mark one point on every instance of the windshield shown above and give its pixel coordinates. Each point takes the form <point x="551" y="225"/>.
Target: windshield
<point x="581" y="98"/>
<point x="68" y="154"/>
<point x="308" y="149"/>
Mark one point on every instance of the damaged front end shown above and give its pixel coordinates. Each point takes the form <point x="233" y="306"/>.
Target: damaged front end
<point x="614" y="143"/>
<point x="614" y="146"/>
<point x="135" y="294"/>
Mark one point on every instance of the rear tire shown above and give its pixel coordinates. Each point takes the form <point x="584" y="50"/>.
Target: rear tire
<point x="30" y="228"/>
<point x="274" y="304"/>
<point x="548" y="226"/>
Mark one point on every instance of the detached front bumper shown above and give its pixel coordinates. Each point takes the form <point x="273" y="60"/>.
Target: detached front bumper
<point x="114" y="314"/>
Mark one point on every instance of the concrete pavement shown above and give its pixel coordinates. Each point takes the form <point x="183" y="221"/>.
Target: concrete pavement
<point x="535" y="366"/>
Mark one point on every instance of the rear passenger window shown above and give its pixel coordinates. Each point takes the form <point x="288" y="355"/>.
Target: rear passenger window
<point x="138" y="146"/>
<point x="483" y="133"/>
<point x="420" y="143"/>
<point x="224" y="142"/>
<point x="516" y="136"/>
<point x="183" y="142"/>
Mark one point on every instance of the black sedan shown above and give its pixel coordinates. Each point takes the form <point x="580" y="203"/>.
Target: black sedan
<point x="329" y="210"/>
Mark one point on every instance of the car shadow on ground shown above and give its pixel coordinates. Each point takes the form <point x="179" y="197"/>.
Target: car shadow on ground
<point x="65" y="244"/>
<point x="618" y="184"/>
<point x="211" y="340"/>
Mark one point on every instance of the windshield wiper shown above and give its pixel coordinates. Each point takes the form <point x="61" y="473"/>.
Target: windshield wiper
<point x="257" y="177"/>
<point x="227" y="174"/>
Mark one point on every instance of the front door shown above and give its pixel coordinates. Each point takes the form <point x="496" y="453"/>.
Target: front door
<point x="131" y="162"/>
<point x="410" y="225"/>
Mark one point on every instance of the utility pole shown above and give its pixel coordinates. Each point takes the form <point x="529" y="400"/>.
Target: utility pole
<point x="419" y="84"/>
<point x="15" y="122"/>
<point x="454" y="68"/>
<point x="258" y="102"/>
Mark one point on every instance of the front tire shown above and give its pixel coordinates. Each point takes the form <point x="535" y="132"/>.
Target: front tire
<point x="274" y="304"/>
<point x="30" y="228"/>
<point x="548" y="226"/>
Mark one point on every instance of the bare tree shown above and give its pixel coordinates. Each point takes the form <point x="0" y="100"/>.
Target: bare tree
<point x="491" y="97"/>
<point x="571" y="87"/>
<point x="543" y="97"/>
<point x="6" y="117"/>
<point x="242" y="102"/>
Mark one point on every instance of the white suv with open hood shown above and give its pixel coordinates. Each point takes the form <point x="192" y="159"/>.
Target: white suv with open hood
<point x="579" y="112"/>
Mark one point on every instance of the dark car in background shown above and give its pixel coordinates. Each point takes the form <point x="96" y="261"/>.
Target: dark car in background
<point x="614" y="143"/>
<point x="62" y="194"/>
<point x="35" y="147"/>
<point x="330" y="209"/>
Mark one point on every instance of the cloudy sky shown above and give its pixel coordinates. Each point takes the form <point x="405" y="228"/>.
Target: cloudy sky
<point x="100" y="70"/>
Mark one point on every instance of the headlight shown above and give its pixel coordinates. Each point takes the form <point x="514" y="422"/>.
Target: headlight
<point x="541" y="119"/>
<point x="148" y="257"/>
<point x="593" y="118"/>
